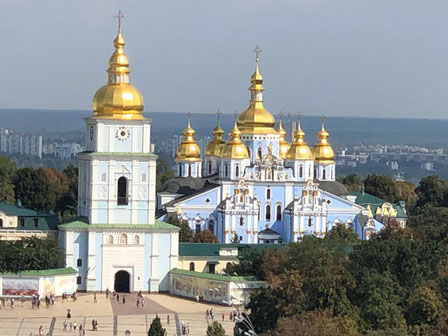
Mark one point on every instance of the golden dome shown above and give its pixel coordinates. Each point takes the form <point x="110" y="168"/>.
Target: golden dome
<point x="118" y="99"/>
<point x="283" y="144"/>
<point x="322" y="151"/>
<point x="234" y="148"/>
<point x="188" y="150"/>
<point x="299" y="150"/>
<point x="256" y="119"/>
<point x="216" y="145"/>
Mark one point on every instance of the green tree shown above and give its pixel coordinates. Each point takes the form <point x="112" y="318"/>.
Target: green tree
<point x="263" y="309"/>
<point x="431" y="191"/>
<point x="316" y="323"/>
<point x="7" y="171"/>
<point x="423" y="306"/>
<point x="185" y="233"/>
<point x="163" y="172"/>
<point x="205" y="236"/>
<point x="406" y="192"/>
<point x="235" y="239"/>
<point x="33" y="188"/>
<point x="215" y="329"/>
<point x="155" y="329"/>
<point x="382" y="187"/>
<point x="351" y="182"/>
<point x="29" y="254"/>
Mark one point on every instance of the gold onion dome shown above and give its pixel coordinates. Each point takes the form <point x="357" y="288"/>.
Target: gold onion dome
<point x="284" y="145"/>
<point x="216" y="145"/>
<point x="256" y="119"/>
<point x="118" y="99"/>
<point x="299" y="150"/>
<point x="322" y="151"/>
<point x="234" y="148"/>
<point x="188" y="150"/>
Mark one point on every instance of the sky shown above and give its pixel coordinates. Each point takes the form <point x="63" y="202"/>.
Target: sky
<point x="372" y="58"/>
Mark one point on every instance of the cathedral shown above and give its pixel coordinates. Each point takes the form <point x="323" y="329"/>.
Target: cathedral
<point x="256" y="187"/>
<point x="116" y="243"/>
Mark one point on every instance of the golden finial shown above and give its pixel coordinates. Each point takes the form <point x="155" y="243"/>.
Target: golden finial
<point x="218" y="114"/>
<point x="322" y="118"/>
<point x="257" y="51"/>
<point x="119" y="16"/>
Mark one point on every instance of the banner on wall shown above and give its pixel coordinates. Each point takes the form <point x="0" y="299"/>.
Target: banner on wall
<point x="206" y="289"/>
<point x="20" y="286"/>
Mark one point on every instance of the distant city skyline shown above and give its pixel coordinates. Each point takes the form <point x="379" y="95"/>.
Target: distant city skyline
<point x="345" y="58"/>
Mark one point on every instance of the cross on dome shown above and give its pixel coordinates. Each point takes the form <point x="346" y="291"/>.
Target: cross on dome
<point x="119" y="16"/>
<point x="218" y="113"/>
<point x="257" y="51"/>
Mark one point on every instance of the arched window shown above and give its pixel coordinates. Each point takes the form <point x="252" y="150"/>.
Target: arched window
<point x="189" y="170"/>
<point x="136" y="240"/>
<point x="248" y="151"/>
<point x="324" y="174"/>
<point x="122" y="191"/>
<point x="123" y="239"/>
<point x="332" y="174"/>
<point x="279" y="213"/>
<point x="226" y="170"/>
<point x="260" y="153"/>
<point x="309" y="172"/>
<point x="315" y="172"/>
<point x="301" y="171"/>
<point x="192" y="266"/>
<point x="237" y="171"/>
<point x="310" y="222"/>
<point x="211" y="225"/>
<point x="241" y="221"/>
<point x="180" y="169"/>
<point x="1" y="222"/>
<point x="110" y="239"/>
<point x="209" y="167"/>
<point x="268" y="193"/>
<point x="268" y="212"/>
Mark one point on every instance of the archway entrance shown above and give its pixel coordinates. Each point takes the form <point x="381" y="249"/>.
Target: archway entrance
<point x="122" y="282"/>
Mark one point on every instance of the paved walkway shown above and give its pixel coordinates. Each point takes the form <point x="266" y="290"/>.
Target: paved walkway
<point x="113" y="318"/>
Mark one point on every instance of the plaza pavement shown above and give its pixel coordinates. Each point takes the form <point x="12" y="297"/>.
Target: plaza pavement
<point x="113" y="318"/>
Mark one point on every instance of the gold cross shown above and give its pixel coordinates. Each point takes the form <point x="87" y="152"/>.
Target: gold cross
<point x="299" y="115"/>
<point x="257" y="53"/>
<point x="188" y="116"/>
<point x="119" y="16"/>
<point x="218" y="113"/>
<point x="235" y="114"/>
<point x="322" y="117"/>
<point x="280" y="115"/>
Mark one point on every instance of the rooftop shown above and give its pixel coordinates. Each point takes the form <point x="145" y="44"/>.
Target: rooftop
<point x="47" y="272"/>
<point x="212" y="250"/>
<point x="216" y="277"/>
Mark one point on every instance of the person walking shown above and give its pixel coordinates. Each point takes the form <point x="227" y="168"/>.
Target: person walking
<point x="207" y="313"/>
<point x="71" y="326"/>
<point x="74" y="325"/>
<point x="118" y="297"/>
<point x="64" y="326"/>
<point x="41" y="330"/>
<point x="80" y="329"/>
<point x="143" y="302"/>
<point x="124" y="299"/>
<point x="168" y="319"/>
<point x="69" y="314"/>
<point x="94" y="298"/>
<point x="223" y="317"/>
<point x="12" y="304"/>
<point x="107" y="292"/>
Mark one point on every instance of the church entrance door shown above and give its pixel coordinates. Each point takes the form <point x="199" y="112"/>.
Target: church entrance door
<point x="122" y="282"/>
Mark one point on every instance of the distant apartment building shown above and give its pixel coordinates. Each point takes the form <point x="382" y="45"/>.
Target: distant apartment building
<point x="67" y="150"/>
<point x="16" y="143"/>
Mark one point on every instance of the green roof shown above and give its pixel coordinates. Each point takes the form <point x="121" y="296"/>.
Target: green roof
<point x="210" y="276"/>
<point x="82" y="223"/>
<point x="212" y="250"/>
<point x="47" y="272"/>
<point x="27" y="218"/>
<point x="364" y="199"/>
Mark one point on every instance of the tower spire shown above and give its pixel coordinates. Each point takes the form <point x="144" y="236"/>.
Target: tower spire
<point x="119" y="16"/>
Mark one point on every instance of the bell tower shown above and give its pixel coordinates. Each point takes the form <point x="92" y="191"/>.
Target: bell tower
<point x="117" y="171"/>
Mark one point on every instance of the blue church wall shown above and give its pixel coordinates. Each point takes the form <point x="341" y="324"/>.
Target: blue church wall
<point x="62" y="239"/>
<point x="98" y="259"/>
<point x="164" y="255"/>
<point x="212" y="195"/>
<point x="122" y="215"/>
<point x="80" y="252"/>
<point x="142" y="216"/>
<point x="147" y="260"/>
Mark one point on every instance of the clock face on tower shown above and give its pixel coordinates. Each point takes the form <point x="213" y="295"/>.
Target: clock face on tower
<point x="122" y="133"/>
<point x="91" y="132"/>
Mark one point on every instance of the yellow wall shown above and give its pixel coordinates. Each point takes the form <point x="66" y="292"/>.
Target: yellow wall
<point x="201" y="263"/>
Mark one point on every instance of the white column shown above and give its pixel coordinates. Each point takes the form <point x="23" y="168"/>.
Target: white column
<point x="302" y="224"/>
<point x="134" y="192"/>
<point x="154" y="278"/>
<point x="249" y="229"/>
<point x="226" y="228"/>
<point x="317" y="225"/>
<point x="112" y="197"/>
<point x="295" y="228"/>
<point x="152" y="192"/>
<point x="68" y="249"/>
<point x="91" y="280"/>
<point x="324" y="225"/>
<point x="174" y="251"/>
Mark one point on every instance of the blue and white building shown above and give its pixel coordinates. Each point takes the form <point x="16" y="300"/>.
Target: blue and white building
<point x="258" y="188"/>
<point x="117" y="243"/>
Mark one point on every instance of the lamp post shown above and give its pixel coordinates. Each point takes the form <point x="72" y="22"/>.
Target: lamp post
<point x="243" y="318"/>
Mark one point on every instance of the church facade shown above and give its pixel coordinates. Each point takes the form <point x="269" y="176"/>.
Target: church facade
<point x="256" y="187"/>
<point x="116" y="242"/>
